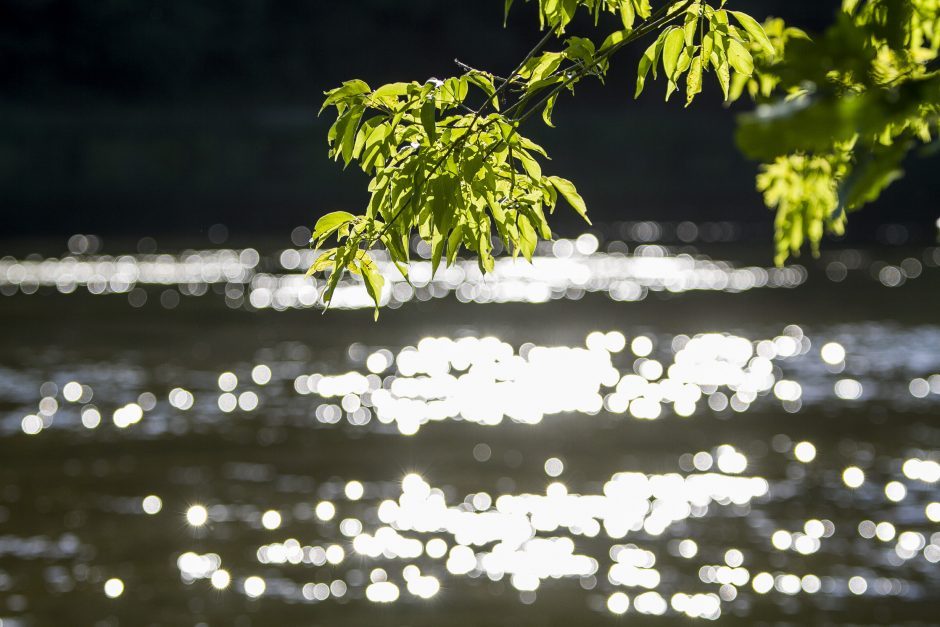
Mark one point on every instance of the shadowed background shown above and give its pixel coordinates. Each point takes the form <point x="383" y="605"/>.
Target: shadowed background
<point x="149" y="117"/>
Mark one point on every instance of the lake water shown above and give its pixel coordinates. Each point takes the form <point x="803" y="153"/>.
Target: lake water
<point x="615" y="430"/>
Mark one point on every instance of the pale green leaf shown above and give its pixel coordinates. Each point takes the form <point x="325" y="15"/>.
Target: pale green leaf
<point x="756" y="32"/>
<point x="739" y="57"/>
<point x="693" y="81"/>
<point x="330" y="223"/>
<point x="672" y="48"/>
<point x="567" y="189"/>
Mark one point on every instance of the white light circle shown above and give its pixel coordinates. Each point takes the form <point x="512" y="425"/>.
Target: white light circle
<point x="152" y="504"/>
<point x="271" y="520"/>
<point x="833" y="353"/>
<point x="221" y="579"/>
<point x="618" y="603"/>
<point x="113" y="588"/>
<point x="853" y="476"/>
<point x="254" y="587"/>
<point x="554" y="467"/>
<point x="895" y="491"/>
<point x="261" y="374"/>
<point x="197" y="515"/>
<point x="325" y="511"/>
<point x="805" y="452"/>
<point x="354" y="490"/>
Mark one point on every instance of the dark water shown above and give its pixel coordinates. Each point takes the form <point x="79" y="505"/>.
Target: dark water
<point x="185" y="442"/>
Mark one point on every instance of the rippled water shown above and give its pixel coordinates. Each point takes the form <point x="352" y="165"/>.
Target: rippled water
<point x="651" y="433"/>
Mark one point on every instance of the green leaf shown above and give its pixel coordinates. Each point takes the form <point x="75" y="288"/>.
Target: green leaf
<point x="627" y="14"/>
<point x="738" y="83"/>
<point x="580" y="49"/>
<point x="614" y="38"/>
<point x="690" y="28"/>
<point x="531" y="146"/>
<point x="648" y="62"/>
<point x="643" y="8"/>
<point x="671" y="87"/>
<point x="722" y="69"/>
<point x="693" y="81"/>
<point x="438" y="241"/>
<point x="708" y="44"/>
<point x="542" y="66"/>
<point x="739" y="57"/>
<point x="365" y="131"/>
<point x="873" y="174"/>
<point x="349" y="89"/>
<point x="537" y="218"/>
<point x="567" y="189"/>
<point x="568" y="8"/>
<point x="528" y="238"/>
<point x="428" y="120"/>
<point x="453" y="243"/>
<point x="485" y="83"/>
<point x="373" y="280"/>
<point x="323" y="262"/>
<point x="330" y="223"/>
<point x="672" y="48"/>
<point x="530" y="165"/>
<point x="756" y="32"/>
<point x="549" y="108"/>
<point x="398" y="250"/>
<point x="444" y="189"/>
<point x="373" y="147"/>
<point x="390" y="91"/>
<point x="485" y="259"/>
<point x="453" y="92"/>
<point x="350" y="132"/>
<point x="815" y="123"/>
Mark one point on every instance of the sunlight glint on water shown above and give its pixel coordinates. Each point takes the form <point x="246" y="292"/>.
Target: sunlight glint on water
<point x="634" y="472"/>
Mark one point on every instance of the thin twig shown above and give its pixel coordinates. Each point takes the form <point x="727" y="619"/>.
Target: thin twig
<point x="469" y="68"/>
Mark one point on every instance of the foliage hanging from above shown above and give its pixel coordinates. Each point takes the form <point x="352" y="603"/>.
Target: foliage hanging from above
<point x="448" y="160"/>
<point x="844" y="111"/>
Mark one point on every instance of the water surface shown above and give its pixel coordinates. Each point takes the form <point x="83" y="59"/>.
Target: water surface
<point x="643" y="432"/>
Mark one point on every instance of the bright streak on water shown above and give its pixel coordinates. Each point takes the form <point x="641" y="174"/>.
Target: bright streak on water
<point x="548" y="277"/>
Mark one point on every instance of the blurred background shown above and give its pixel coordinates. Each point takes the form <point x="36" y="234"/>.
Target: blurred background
<point x="648" y="423"/>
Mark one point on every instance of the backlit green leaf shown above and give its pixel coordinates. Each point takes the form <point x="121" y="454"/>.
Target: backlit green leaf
<point x="567" y="189"/>
<point x="648" y="61"/>
<point x="694" y="80"/>
<point x="739" y="57"/>
<point x="756" y="31"/>
<point x="330" y="223"/>
<point x="672" y="48"/>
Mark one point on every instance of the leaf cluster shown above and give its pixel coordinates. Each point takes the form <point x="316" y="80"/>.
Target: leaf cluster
<point x="851" y="106"/>
<point x="455" y="176"/>
<point x="708" y="40"/>
<point x="448" y="161"/>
